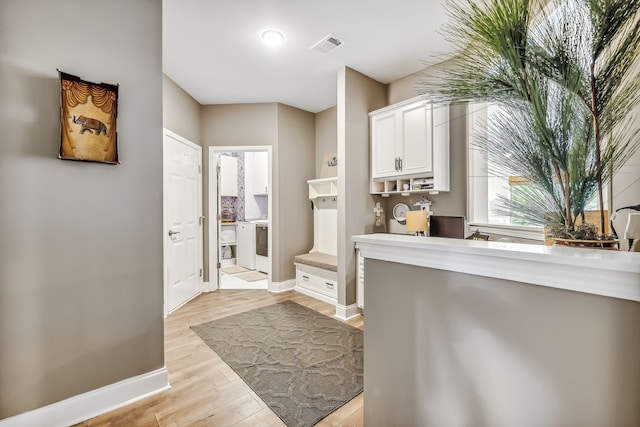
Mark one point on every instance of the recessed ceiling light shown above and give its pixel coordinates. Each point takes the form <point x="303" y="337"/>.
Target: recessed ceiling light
<point x="272" y="37"/>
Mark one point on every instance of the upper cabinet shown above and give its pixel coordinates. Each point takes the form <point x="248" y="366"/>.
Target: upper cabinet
<point x="410" y="146"/>
<point x="401" y="140"/>
<point x="228" y="175"/>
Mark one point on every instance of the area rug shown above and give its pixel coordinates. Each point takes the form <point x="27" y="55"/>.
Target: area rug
<point x="303" y="364"/>
<point x="252" y="276"/>
<point x="234" y="269"/>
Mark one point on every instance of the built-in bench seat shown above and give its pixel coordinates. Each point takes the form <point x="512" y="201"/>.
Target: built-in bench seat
<point x="318" y="260"/>
<point x="316" y="275"/>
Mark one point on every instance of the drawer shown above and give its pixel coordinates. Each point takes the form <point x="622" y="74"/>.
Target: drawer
<point x="324" y="283"/>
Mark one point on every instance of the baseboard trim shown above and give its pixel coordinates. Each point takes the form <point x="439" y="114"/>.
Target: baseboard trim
<point x="277" y="287"/>
<point x="346" y="312"/>
<point x="93" y="403"/>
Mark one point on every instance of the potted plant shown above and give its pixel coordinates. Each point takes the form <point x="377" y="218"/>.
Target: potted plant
<point x="566" y="78"/>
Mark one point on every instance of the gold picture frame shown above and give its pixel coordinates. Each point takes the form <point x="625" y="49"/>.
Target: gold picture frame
<point x="88" y="120"/>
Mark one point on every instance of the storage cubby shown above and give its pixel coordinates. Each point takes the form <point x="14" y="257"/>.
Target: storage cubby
<point x="228" y="238"/>
<point x="403" y="186"/>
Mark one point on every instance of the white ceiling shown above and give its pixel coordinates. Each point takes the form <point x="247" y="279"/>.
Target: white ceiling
<point x="212" y="48"/>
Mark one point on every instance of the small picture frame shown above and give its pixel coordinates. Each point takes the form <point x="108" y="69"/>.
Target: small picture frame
<point x="88" y="120"/>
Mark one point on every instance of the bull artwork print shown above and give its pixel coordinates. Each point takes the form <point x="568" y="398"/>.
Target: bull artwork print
<point x="88" y="120"/>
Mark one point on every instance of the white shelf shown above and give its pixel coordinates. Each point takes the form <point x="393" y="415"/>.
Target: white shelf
<point x="323" y="187"/>
<point x="386" y="188"/>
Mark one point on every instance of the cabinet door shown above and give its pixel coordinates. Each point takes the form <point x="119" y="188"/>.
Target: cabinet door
<point x="228" y="176"/>
<point x="384" y="145"/>
<point x="417" y="144"/>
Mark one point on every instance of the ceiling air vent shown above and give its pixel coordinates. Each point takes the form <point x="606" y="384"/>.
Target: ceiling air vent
<point x="327" y="45"/>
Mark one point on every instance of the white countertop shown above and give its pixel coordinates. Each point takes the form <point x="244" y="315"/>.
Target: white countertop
<point x="601" y="272"/>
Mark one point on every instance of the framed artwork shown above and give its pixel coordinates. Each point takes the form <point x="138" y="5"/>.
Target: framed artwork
<point x="88" y="118"/>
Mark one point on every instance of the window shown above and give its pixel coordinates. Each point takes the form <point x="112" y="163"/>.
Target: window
<point x="486" y="185"/>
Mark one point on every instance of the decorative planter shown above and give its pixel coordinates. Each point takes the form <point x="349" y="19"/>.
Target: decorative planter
<point x="595" y="244"/>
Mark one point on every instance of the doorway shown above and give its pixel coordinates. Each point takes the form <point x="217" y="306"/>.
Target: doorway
<point x="240" y="205"/>
<point x="182" y="218"/>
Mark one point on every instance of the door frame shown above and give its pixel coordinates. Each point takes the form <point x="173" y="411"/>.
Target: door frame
<point x="214" y="152"/>
<point x="165" y="226"/>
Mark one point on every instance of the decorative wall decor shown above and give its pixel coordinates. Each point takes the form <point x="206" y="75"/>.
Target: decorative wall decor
<point x="88" y="115"/>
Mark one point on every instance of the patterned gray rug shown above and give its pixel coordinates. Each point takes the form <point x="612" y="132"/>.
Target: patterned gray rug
<point x="303" y="364"/>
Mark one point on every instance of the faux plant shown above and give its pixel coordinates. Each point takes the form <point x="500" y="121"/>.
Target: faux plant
<point x="565" y="74"/>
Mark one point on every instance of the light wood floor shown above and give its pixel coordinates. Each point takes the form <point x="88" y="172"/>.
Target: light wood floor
<point x="204" y="390"/>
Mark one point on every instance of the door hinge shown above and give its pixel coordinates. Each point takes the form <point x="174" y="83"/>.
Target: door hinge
<point x="200" y="220"/>
<point x="218" y="217"/>
<point x="218" y="265"/>
<point x="199" y="169"/>
<point x="218" y="168"/>
<point x="200" y="272"/>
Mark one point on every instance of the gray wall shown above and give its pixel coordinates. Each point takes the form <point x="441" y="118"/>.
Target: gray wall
<point x="357" y="95"/>
<point x="180" y="112"/>
<point x="290" y="132"/>
<point x="81" y="291"/>
<point x="296" y="159"/>
<point x="452" y="349"/>
<point x="326" y="141"/>
<point x="237" y="125"/>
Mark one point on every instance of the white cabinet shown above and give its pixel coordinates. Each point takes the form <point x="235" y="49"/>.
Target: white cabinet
<point x="401" y="141"/>
<point x="319" y="283"/>
<point x="385" y="147"/>
<point x="410" y="142"/>
<point x="246" y="247"/>
<point x="256" y="184"/>
<point x="228" y="176"/>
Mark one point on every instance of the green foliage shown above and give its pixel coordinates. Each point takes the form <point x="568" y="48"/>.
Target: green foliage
<point x="564" y="73"/>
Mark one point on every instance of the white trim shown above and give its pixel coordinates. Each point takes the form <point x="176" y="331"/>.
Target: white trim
<point x="287" y="285"/>
<point x="346" y="312"/>
<point x="93" y="403"/>
<point x="600" y="272"/>
<point x="207" y="287"/>
<point x="521" y="232"/>
<point x="316" y="295"/>
<point x="393" y="107"/>
<point x="184" y="302"/>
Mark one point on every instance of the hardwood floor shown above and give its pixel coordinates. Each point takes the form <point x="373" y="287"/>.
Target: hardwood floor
<point x="204" y="390"/>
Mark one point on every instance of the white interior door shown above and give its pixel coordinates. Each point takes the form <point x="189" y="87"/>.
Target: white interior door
<point x="183" y="224"/>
